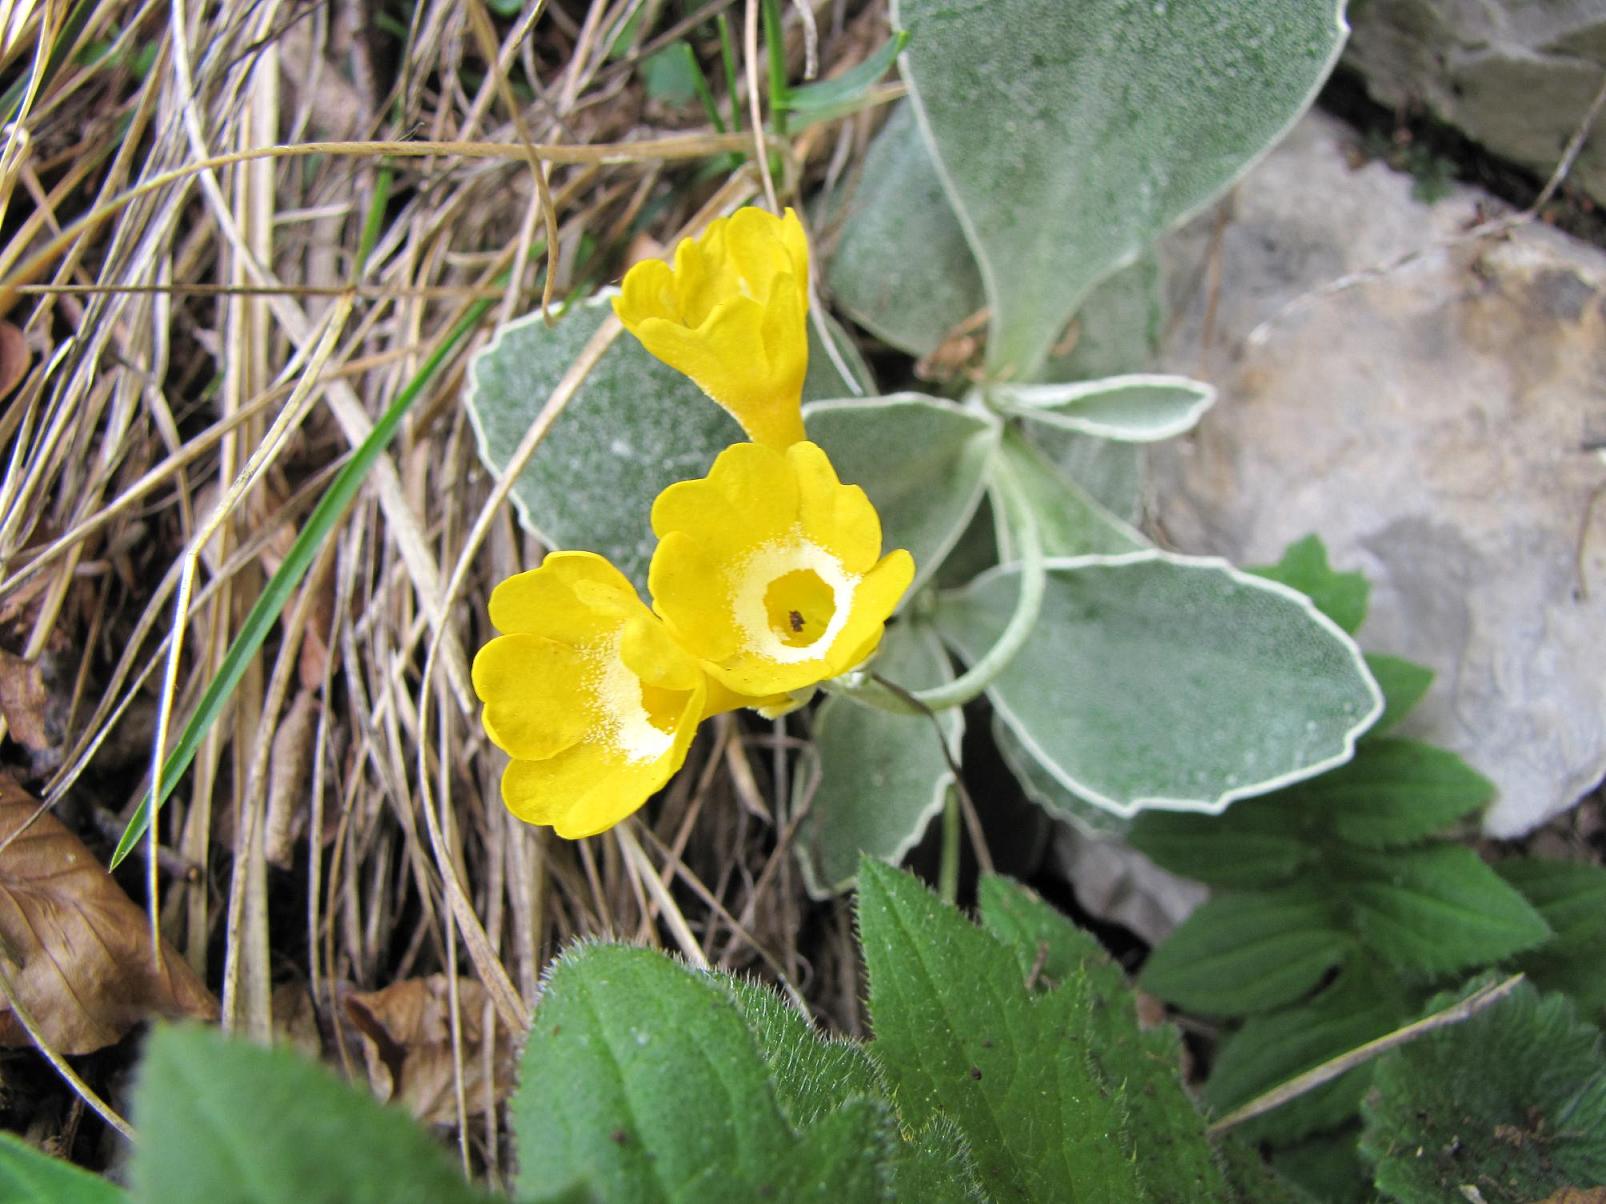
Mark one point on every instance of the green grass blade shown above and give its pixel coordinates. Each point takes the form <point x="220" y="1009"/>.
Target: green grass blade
<point x="277" y="592"/>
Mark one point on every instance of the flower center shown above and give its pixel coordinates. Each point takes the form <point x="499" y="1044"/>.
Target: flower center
<point x="633" y="717"/>
<point x="791" y="599"/>
<point x="800" y="607"/>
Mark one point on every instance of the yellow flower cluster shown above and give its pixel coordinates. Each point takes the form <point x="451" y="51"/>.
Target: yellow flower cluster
<point x="768" y="577"/>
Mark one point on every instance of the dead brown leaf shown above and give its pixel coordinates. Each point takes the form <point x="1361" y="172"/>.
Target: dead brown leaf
<point x="1577" y="1195"/>
<point x="407" y="1045"/>
<point x="76" y="947"/>
<point x="15" y="357"/>
<point x="28" y="705"/>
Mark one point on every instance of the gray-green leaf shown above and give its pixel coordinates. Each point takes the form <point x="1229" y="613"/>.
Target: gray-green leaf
<point x="1069" y="521"/>
<point x="223" y="1119"/>
<point x="1141" y="408"/>
<point x="922" y="461"/>
<point x="881" y="777"/>
<point x="898" y="263"/>
<point x="1155" y="680"/>
<point x="1069" y="136"/>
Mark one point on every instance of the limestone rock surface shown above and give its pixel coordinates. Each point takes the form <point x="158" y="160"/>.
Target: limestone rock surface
<point x="1438" y="423"/>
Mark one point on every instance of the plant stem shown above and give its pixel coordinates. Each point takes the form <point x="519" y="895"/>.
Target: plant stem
<point x="948" y="870"/>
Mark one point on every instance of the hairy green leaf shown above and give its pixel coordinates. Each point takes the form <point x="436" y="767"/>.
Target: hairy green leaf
<point x="1069" y="136"/>
<point x="644" y="1079"/>
<point x="1247" y="952"/>
<point x="881" y="777"/>
<point x="29" y="1176"/>
<point x="223" y="1119"/>
<point x="1342" y="597"/>
<point x="1070" y="522"/>
<point x="1048" y="792"/>
<point x="1511" y="1102"/>
<point x="1571" y="896"/>
<point x="1437" y="909"/>
<point x="1155" y="680"/>
<point x="1147" y="1060"/>
<point x="1396" y="792"/>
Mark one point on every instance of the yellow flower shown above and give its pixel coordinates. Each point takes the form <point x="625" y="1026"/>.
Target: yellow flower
<point x="587" y="692"/>
<point x="732" y="314"/>
<point x="767" y="570"/>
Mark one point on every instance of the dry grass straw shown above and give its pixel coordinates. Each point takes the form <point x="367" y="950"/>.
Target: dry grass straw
<point x="183" y="200"/>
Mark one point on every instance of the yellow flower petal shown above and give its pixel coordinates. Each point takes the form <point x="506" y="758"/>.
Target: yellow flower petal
<point x="774" y="583"/>
<point x="590" y="694"/>
<point x="523" y="721"/>
<point x="732" y="314"/>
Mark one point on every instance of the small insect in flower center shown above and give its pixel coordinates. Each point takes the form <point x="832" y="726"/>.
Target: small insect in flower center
<point x="795" y="619"/>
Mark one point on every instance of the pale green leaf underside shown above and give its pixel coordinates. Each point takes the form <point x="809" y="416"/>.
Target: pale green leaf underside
<point x="1155" y="680"/>
<point x="1070" y="521"/>
<point x="882" y="777"/>
<point x="921" y="460"/>
<point x="634" y="427"/>
<point x="29" y="1176"/>
<point x="1069" y="136"/>
<point x="898" y="261"/>
<point x="223" y="1119"/>
<point x="1138" y="408"/>
<point x="644" y="1079"/>
<point x="1049" y="793"/>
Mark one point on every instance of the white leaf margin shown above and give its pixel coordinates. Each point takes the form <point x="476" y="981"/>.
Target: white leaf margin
<point x="1054" y="404"/>
<point x="1224" y="800"/>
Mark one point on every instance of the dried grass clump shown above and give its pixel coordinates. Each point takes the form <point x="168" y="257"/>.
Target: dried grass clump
<point x="233" y="235"/>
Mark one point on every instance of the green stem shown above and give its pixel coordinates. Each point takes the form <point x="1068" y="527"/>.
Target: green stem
<point x="775" y="44"/>
<point x="1029" y="604"/>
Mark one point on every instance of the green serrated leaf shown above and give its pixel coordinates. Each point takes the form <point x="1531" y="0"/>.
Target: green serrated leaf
<point x="1070" y="522"/>
<point x="900" y="266"/>
<point x="1147" y="1060"/>
<point x="1396" y="792"/>
<point x="1070" y="136"/>
<point x="1403" y="684"/>
<point x="1361" y="1005"/>
<point x="1250" y="1180"/>
<point x="959" y="1034"/>
<point x="223" y="1119"/>
<point x="1437" y="909"/>
<point x="1156" y="680"/>
<point x="1571" y="896"/>
<point x="1270" y="840"/>
<point x="644" y="1079"/>
<point x="1247" y="952"/>
<point x="936" y="1167"/>
<point x="1140" y="408"/>
<point x="811" y="1073"/>
<point x="1511" y="1102"/>
<point x="29" y="1176"/>
<point x="1329" y="1167"/>
<point x="1342" y="597"/>
<point x="927" y="492"/>
<point x="881" y="778"/>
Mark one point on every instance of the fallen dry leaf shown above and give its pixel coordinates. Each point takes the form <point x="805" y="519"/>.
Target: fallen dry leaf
<point x="407" y="1046"/>
<point x="75" y="946"/>
<point x="15" y="357"/>
<point x="27" y="702"/>
<point x="1577" y="1195"/>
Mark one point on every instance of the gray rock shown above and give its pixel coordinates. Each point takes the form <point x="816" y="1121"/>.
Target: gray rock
<point x="1435" y="423"/>
<point x="1515" y="75"/>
